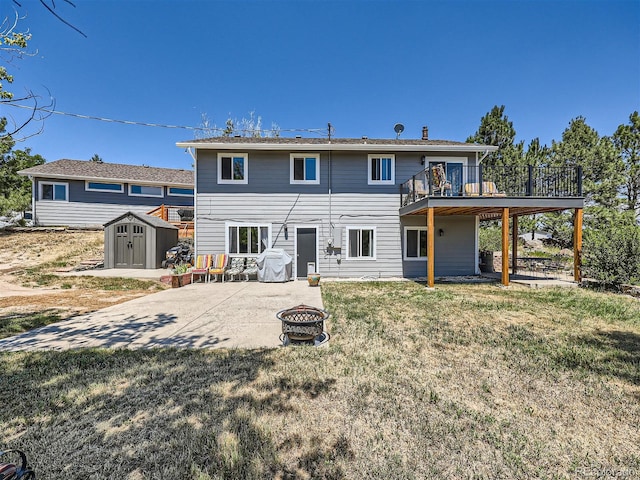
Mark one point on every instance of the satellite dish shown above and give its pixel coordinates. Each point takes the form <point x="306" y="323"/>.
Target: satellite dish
<point x="398" y="128"/>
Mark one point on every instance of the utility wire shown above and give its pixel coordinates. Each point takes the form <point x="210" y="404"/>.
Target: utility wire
<point x="318" y="131"/>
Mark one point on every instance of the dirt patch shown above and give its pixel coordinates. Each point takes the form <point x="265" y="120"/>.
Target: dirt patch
<point x="30" y="259"/>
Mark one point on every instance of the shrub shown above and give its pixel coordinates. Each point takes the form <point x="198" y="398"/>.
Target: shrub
<point x="490" y="239"/>
<point x="612" y="254"/>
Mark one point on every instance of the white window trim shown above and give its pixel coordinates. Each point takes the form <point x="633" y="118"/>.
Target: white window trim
<point x="404" y="253"/>
<point x="40" y="184"/>
<point x="375" y="242"/>
<point x="393" y="169"/>
<point x="304" y="156"/>
<point x="145" y="194"/>
<point x="245" y="180"/>
<point x="179" y="194"/>
<point x="444" y="160"/>
<point x="245" y="224"/>
<point x="87" y="188"/>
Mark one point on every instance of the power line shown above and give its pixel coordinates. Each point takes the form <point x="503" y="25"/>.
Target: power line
<point x="318" y="131"/>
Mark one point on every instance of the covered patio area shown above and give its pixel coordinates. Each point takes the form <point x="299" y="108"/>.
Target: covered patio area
<point x="502" y="209"/>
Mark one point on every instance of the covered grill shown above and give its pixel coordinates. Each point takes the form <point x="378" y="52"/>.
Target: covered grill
<point x="274" y="265"/>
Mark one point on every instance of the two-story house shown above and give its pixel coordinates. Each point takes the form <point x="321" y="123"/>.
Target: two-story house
<point x="84" y="193"/>
<point x="355" y="208"/>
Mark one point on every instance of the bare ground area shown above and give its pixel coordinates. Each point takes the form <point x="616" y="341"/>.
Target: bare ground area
<point x="29" y="285"/>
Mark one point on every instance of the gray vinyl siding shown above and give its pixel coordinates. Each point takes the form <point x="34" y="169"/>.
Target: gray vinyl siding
<point x="269" y="198"/>
<point x="89" y="208"/>
<point x="269" y="173"/>
<point x="76" y="214"/>
<point x="309" y="210"/>
<point x="455" y="250"/>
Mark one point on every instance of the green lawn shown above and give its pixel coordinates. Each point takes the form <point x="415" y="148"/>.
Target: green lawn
<point x="467" y="381"/>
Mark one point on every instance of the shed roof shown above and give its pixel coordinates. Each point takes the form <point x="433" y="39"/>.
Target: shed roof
<point x="113" y="172"/>
<point x="148" y="219"/>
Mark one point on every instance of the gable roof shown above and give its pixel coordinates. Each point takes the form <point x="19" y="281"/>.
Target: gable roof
<point x="148" y="219"/>
<point x="325" y="144"/>
<point x="111" y="172"/>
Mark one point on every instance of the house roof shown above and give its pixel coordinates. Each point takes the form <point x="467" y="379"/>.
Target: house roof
<point x="112" y="172"/>
<point x="325" y="144"/>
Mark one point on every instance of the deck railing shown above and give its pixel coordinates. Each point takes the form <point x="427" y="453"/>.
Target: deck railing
<point x="181" y="217"/>
<point x="483" y="181"/>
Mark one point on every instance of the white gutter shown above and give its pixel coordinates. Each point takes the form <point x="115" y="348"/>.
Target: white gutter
<point x="355" y="147"/>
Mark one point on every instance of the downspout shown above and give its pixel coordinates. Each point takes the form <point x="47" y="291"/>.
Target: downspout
<point x="194" y="155"/>
<point x="484" y="155"/>
<point x="33" y="200"/>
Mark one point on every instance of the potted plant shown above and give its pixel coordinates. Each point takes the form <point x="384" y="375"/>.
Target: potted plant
<point x="180" y="275"/>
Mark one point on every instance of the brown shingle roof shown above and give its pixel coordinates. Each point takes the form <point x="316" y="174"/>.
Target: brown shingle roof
<point x="86" y="170"/>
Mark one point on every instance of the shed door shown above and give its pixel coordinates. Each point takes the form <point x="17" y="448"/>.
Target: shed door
<point x="121" y="246"/>
<point x="130" y="246"/>
<point x="137" y="246"/>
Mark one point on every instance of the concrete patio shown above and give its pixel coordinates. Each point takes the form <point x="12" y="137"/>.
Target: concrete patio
<point x="202" y="315"/>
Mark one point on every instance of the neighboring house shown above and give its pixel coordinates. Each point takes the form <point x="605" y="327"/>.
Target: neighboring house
<point x="361" y="207"/>
<point x="86" y="193"/>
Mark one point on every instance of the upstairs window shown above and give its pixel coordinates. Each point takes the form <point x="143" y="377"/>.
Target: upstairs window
<point x="305" y="169"/>
<point x="104" y="187"/>
<point x="361" y="243"/>
<point x="54" y="191"/>
<point x="381" y="169"/>
<point x="145" y="191"/>
<point x="233" y="168"/>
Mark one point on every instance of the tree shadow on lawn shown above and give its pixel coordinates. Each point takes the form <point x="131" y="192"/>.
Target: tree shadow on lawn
<point x="109" y="330"/>
<point x="163" y="414"/>
<point x="619" y="354"/>
<point x="608" y="353"/>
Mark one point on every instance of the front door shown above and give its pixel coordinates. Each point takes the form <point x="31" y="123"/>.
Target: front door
<point x="305" y="250"/>
<point x="129" y="246"/>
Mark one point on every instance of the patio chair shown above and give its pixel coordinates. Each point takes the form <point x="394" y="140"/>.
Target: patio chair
<point x="440" y="178"/>
<point x="251" y="268"/>
<point x="219" y="265"/>
<point x="489" y="188"/>
<point x="236" y="268"/>
<point x="201" y="268"/>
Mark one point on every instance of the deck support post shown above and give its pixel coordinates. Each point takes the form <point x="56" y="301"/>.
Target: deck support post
<point x="577" y="245"/>
<point x="505" y="247"/>
<point x="514" y="245"/>
<point x="430" y="248"/>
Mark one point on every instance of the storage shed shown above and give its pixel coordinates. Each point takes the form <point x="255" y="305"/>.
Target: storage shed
<point x="135" y="240"/>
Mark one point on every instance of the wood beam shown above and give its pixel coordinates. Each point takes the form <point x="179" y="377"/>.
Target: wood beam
<point x="505" y="247"/>
<point x="430" y="248"/>
<point x="514" y="245"/>
<point x="577" y="245"/>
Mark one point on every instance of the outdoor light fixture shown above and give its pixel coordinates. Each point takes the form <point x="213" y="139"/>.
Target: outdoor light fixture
<point x="423" y="159"/>
<point x="441" y="232"/>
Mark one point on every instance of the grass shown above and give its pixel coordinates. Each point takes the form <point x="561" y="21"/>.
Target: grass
<point x="467" y="381"/>
<point x="14" y="323"/>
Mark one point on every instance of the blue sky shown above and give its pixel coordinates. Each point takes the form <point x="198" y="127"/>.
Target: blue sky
<point x="361" y="65"/>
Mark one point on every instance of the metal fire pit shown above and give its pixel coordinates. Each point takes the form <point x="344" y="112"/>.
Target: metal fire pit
<point x="303" y="324"/>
